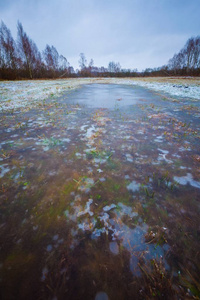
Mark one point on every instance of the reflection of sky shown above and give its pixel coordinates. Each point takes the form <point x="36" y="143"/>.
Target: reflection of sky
<point x="108" y="96"/>
<point x="138" y="34"/>
<point x="132" y="239"/>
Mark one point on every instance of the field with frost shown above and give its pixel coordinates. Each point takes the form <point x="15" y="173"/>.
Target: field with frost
<point x="18" y="94"/>
<point x="100" y="189"/>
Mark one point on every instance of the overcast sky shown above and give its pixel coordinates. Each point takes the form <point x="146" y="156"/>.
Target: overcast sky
<point x="137" y="33"/>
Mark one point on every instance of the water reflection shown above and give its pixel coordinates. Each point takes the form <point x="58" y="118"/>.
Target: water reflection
<point x="108" y="96"/>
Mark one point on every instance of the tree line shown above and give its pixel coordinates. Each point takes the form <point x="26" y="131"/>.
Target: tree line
<point x="184" y="63"/>
<point x="21" y="59"/>
<point x="188" y="59"/>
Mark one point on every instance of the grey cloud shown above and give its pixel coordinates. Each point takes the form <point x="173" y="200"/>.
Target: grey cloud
<point x="135" y="33"/>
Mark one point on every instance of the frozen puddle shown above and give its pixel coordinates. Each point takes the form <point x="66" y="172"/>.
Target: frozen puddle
<point x="3" y="170"/>
<point x="133" y="186"/>
<point x="87" y="209"/>
<point x="163" y="154"/>
<point x="98" y="203"/>
<point x="188" y="179"/>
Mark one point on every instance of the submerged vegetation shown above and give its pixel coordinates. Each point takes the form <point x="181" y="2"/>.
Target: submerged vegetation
<point x="100" y="201"/>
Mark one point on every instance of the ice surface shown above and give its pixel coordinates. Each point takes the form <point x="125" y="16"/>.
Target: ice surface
<point x="133" y="186"/>
<point x="187" y="179"/>
<point x="87" y="209"/>
<point x="109" y="207"/>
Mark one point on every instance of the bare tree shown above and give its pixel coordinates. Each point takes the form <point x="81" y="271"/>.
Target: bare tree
<point x="177" y="62"/>
<point x="8" y="51"/>
<point x="23" y="59"/>
<point x="51" y="58"/>
<point x="91" y="63"/>
<point x="82" y="61"/>
<point x="192" y="52"/>
<point x="63" y="63"/>
<point x="196" y="57"/>
<point x="114" y="67"/>
<point x="28" y="50"/>
<point x="64" y="66"/>
<point x="188" y="58"/>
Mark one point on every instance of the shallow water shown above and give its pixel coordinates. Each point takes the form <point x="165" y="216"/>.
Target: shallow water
<point x="109" y="96"/>
<point x="99" y="194"/>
